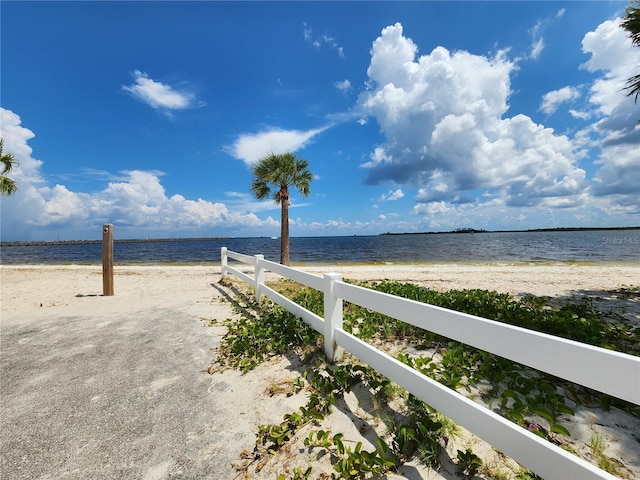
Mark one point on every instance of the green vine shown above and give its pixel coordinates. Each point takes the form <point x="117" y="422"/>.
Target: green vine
<point x="532" y="399"/>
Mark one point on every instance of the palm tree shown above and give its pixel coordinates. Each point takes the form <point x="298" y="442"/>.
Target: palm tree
<point x="7" y="186"/>
<point x="280" y="171"/>
<point x="631" y="23"/>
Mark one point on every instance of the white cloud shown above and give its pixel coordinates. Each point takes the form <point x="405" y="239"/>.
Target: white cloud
<point x="433" y="208"/>
<point x="322" y="40"/>
<point x="134" y="201"/>
<point x="16" y="139"/>
<point x="611" y="52"/>
<point x="537" y="42"/>
<point x="442" y="117"/>
<point x="552" y="100"/>
<point x="392" y="195"/>
<point x="158" y="95"/>
<point x="580" y="114"/>
<point x="378" y="157"/>
<point x="61" y="206"/>
<point x="537" y="39"/>
<point x="244" y="202"/>
<point x="307" y="33"/>
<point x="620" y="173"/>
<point x="536" y="47"/>
<point x="344" y="85"/>
<point x="251" y="147"/>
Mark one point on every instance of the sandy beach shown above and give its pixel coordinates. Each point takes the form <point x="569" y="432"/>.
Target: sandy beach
<point x="38" y="300"/>
<point x="56" y="290"/>
<point x="537" y="280"/>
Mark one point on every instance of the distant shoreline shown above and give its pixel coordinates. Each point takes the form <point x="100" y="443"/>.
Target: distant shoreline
<point x="89" y="242"/>
<point x="556" y="229"/>
<point x="26" y="243"/>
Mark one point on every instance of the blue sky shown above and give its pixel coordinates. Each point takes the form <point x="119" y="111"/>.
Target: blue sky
<point x="414" y="116"/>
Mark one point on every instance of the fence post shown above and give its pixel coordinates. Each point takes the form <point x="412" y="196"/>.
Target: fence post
<point x="107" y="260"/>
<point x="332" y="316"/>
<point x="259" y="276"/>
<point x="223" y="261"/>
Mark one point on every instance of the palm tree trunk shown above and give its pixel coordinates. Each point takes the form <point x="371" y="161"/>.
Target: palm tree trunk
<point x="284" y="227"/>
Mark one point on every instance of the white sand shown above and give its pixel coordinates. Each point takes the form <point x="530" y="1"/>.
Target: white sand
<point x="517" y="279"/>
<point x="54" y="290"/>
<point x="597" y="283"/>
<point x="29" y="289"/>
<point x="33" y="293"/>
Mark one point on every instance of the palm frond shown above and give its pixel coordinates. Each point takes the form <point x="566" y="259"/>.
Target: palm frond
<point x="633" y="85"/>
<point x="279" y="172"/>
<point x="7" y="186"/>
<point x="631" y="23"/>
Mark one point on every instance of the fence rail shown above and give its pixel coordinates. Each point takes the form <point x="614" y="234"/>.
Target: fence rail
<point x="610" y="372"/>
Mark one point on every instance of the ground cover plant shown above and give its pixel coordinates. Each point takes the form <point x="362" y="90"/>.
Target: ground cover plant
<point x="534" y="400"/>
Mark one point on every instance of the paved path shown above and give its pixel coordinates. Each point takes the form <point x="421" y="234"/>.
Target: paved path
<point x="119" y="393"/>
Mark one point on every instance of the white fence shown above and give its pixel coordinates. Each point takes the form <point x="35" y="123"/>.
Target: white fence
<point x="610" y="372"/>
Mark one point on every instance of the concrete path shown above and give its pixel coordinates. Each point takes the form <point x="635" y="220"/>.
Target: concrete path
<point x="117" y="392"/>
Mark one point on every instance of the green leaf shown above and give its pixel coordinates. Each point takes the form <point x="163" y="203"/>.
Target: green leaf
<point x="515" y="416"/>
<point x="605" y="402"/>
<point x="544" y="413"/>
<point x="562" y="408"/>
<point x="556" y="428"/>
<point x="510" y="394"/>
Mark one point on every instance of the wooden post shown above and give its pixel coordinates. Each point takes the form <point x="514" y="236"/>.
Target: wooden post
<point x="107" y="260"/>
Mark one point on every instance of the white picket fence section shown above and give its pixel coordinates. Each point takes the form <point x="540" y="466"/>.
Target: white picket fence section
<point x="609" y="372"/>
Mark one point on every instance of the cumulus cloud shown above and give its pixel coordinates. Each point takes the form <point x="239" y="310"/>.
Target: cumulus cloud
<point x="446" y="133"/>
<point x="552" y="100"/>
<point x="442" y="118"/>
<point x="159" y="95"/>
<point x="620" y="173"/>
<point x="16" y="138"/>
<point x="612" y="54"/>
<point x="133" y="200"/>
<point x="251" y="147"/>
<point x="614" y="57"/>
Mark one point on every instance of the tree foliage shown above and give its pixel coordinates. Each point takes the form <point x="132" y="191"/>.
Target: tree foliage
<point x="278" y="172"/>
<point x="631" y="23"/>
<point x="7" y="185"/>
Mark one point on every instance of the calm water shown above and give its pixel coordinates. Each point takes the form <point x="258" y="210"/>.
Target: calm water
<point x="618" y="246"/>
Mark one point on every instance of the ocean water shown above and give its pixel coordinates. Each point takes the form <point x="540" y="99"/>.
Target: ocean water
<point x="598" y="246"/>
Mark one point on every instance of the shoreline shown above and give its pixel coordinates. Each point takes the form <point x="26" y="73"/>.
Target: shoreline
<point x="301" y="265"/>
<point x="12" y="243"/>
